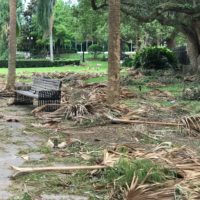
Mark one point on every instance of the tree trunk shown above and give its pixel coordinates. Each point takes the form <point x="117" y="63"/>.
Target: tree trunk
<point x="12" y="47"/>
<point x="51" y="38"/>
<point x="114" y="52"/>
<point x="193" y="53"/>
<point x="193" y="46"/>
<point x="170" y="41"/>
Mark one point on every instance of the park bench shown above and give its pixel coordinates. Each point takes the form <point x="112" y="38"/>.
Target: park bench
<point x="45" y="91"/>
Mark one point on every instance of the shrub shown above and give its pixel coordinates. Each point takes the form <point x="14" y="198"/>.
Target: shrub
<point x="40" y="63"/>
<point x="125" y="47"/>
<point x="155" y="58"/>
<point x="95" y="49"/>
<point x="128" y="62"/>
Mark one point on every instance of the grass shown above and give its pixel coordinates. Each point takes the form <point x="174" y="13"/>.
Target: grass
<point x="124" y="170"/>
<point x="100" y="79"/>
<point x="192" y="106"/>
<point x="88" y="67"/>
<point x="77" y="183"/>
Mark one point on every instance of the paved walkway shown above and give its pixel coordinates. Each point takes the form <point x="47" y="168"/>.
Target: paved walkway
<point x="12" y="140"/>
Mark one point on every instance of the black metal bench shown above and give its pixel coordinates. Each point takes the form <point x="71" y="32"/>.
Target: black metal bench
<point x="46" y="91"/>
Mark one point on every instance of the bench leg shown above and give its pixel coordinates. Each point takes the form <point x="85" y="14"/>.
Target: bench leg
<point x="22" y="100"/>
<point x="49" y="97"/>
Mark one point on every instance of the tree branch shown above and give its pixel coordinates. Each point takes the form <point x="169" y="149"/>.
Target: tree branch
<point x="95" y="7"/>
<point x="174" y="7"/>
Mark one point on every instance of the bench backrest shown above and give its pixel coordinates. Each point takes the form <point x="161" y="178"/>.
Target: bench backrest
<point x="40" y="84"/>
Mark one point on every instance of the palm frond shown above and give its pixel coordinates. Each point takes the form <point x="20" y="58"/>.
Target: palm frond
<point x="192" y="123"/>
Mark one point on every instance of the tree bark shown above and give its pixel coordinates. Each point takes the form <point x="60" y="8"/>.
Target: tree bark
<point x="170" y="41"/>
<point x="193" y="53"/>
<point x="12" y="47"/>
<point x="114" y="52"/>
<point x="193" y="47"/>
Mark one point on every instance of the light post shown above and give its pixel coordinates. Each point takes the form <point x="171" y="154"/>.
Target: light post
<point x="131" y="45"/>
<point x="29" y="41"/>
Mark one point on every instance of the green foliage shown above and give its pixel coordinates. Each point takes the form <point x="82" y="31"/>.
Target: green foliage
<point x="40" y="63"/>
<point x="155" y="58"/>
<point x="45" y="12"/>
<point x="123" y="172"/>
<point x="4" y="19"/>
<point x="95" y="49"/>
<point x="63" y="29"/>
<point x="125" y="47"/>
<point x="89" y="24"/>
<point x="26" y="196"/>
<point x="128" y="62"/>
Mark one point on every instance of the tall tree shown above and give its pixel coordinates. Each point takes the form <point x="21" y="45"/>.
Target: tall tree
<point x="12" y="46"/>
<point x="46" y="20"/>
<point x="183" y="15"/>
<point x="114" y="51"/>
<point x="4" y="19"/>
<point x="89" y="24"/>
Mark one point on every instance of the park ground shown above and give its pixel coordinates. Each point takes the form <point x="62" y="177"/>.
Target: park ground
<point x="24" y="139"/>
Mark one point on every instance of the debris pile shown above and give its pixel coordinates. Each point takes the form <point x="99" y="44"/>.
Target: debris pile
<point x="161" y="94"/>
<point x="155" y="84"/>
<point x="86" y="102"/>
<point x="130" y="77"/>
<point x="187" y="166"/>
<point x="67" y="76"/>
<point x="182" y="161"/>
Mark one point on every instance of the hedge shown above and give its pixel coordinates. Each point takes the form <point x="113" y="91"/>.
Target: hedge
<point x="39" y="63"/>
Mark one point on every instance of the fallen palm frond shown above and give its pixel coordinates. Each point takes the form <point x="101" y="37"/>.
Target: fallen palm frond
<point x="67" y="76"/>
<point x="6" y="93"/>
<point x="181" y="178"/>
<point x="43" y="108"/>
<point x="192" y="123"/>
<point x="73" y="112"/>
<point x="183" y="161"/>
<point x="76" y="110"/>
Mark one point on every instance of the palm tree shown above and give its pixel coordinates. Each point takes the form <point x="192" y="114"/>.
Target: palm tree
<point x="46" y="19"/>
<point x="114" y="51"/>
<point x="12" y="46"/>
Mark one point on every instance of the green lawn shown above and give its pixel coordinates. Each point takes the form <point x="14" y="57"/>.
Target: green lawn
<point x="87" y="67"/>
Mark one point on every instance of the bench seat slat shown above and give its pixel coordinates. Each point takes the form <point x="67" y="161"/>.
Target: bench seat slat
<point x="46" y="84"/>
<point x="27" y="93"/>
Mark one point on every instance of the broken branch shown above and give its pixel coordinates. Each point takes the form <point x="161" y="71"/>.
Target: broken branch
<point x="124" y="121"/>
<point x="22" y="171"/>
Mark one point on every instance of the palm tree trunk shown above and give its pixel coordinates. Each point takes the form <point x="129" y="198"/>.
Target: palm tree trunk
<point x="12" y="47"/>
<point x="114" y="52"/>
<point x="51" y="38"/>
